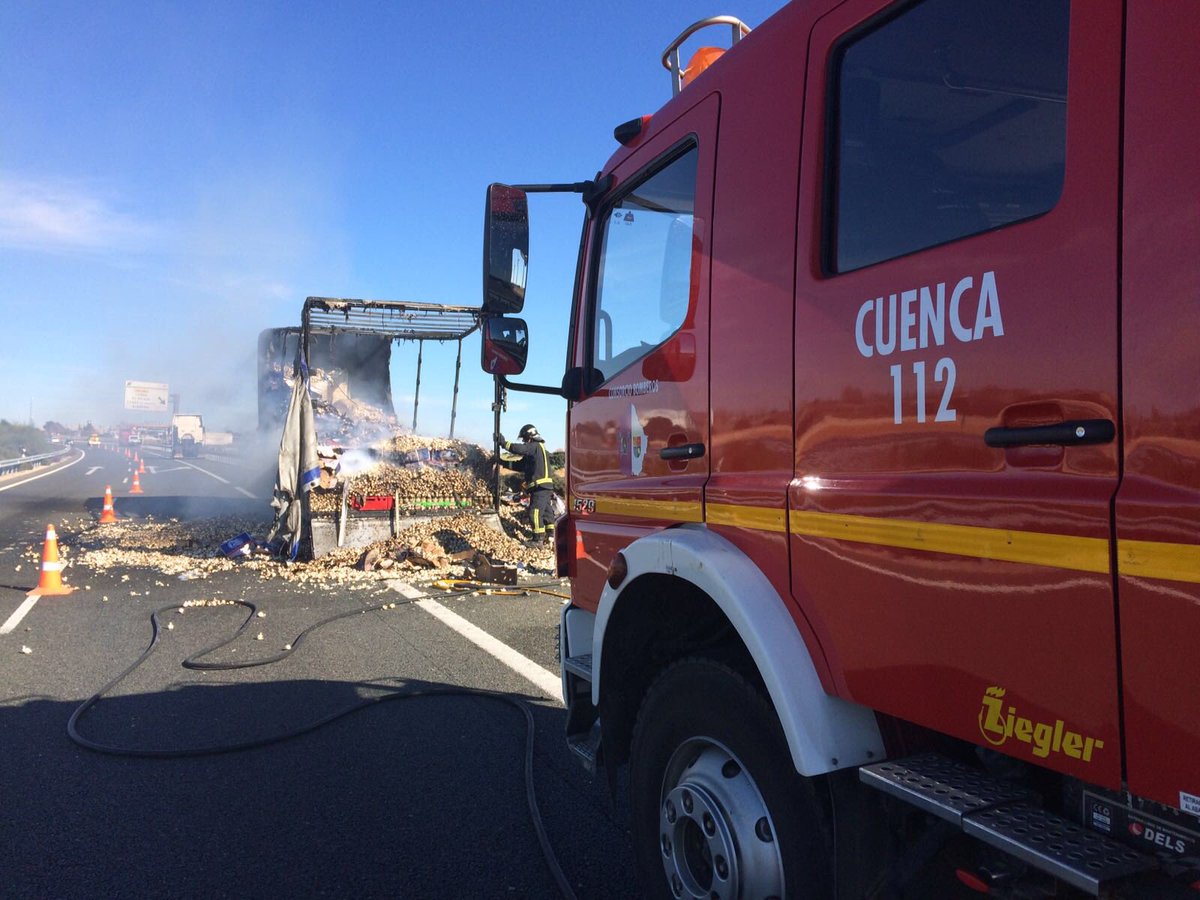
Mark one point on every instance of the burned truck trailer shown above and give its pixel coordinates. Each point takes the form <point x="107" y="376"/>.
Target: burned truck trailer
<point x="376" y="477"/>
<point x="355" y="372"/>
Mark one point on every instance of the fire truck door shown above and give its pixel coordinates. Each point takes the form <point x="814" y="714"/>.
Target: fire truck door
<point x="956" y="370"/>
<point x="639" y="441"/>
<point x="1158" y="507"/>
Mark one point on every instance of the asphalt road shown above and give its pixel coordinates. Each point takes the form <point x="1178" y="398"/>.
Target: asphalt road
<point x="421" y="797"/>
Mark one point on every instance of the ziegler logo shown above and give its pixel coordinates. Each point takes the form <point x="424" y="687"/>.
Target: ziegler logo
<point x="998" y="724"/>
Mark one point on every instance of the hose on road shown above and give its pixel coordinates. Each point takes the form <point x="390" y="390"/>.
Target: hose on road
<point x="196" y="661"/>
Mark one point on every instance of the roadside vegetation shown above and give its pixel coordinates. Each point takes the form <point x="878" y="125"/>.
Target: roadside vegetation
<point x="15" y="439"/>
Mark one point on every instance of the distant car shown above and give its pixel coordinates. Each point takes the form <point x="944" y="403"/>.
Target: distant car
<point x="94" y="440"/>
<point x="135" y="439"/>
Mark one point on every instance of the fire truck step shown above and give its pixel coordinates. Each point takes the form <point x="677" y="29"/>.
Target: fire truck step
<point x="587" y="747"/>
<point x="941" y="786"/>
<point x="579" y="665"/>
<point x="1005" y="817"/>
<point x="1083" y="859"/>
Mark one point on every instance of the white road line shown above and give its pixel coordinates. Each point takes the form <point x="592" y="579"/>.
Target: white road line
<point x="240" y="490"/>
<point x="93" y="469"/>
<point x="9" y="487"/>
<point x="15" y="619"/>
<point x="546" y="681"/>
<point x="206" y="472"/>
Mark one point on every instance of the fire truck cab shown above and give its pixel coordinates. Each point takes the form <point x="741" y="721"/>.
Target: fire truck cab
<point x="883" y="459"/>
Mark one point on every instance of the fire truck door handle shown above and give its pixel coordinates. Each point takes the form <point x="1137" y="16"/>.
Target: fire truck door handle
<point x="683" y="451"/>
<point x="1067" y="434"/>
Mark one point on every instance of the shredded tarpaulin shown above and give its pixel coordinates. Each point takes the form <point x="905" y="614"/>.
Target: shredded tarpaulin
<point x="299" y="468"/>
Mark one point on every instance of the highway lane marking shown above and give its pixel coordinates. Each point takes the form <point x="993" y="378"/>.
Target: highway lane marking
<point x="543" y="679"/>
<point x="9" y="487"/>
<point x="240" y="490"/>
<point x="93" y="469"/>
<point x="15" y="619"/>
<point x="206" y="472"/>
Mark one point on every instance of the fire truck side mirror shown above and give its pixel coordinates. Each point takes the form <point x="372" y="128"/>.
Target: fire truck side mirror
<point x="505" y="249"/>
<point x="579" y="383"/>
<point x="505" y="346"/>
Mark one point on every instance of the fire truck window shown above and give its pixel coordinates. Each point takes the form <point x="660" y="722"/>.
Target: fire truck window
<point x="950" y="120"/>
<point x="646" y="282"/>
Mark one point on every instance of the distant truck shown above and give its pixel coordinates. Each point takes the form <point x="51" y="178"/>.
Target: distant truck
<point x="187" y="436"/>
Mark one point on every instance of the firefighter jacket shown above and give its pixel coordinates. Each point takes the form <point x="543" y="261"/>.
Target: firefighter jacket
<point x="535" y="463"/>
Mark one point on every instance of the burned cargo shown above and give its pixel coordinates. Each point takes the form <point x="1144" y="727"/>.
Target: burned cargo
<point x="366" y="478"/>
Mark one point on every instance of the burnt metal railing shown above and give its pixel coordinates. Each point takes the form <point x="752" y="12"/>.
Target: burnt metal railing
<point x="400" y="320"/>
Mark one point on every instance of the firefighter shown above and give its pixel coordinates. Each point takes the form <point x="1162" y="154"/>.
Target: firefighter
<point x="535" y="466"/>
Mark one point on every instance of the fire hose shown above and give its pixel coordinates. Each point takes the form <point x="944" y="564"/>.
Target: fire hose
<point x="196" y="661"/>
<point x="456" y="586"/>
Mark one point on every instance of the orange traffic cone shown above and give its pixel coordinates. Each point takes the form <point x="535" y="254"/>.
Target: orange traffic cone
<point x="137" y="485"/>
<point x="51" y="584"/>
<point x="108" y="514"/>
<point x="141" y="466"/>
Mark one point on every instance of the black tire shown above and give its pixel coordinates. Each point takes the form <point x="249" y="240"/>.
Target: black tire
<point x="718" y="808"/>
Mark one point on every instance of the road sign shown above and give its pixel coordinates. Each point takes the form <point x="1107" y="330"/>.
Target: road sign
<point x="146" y="395"/>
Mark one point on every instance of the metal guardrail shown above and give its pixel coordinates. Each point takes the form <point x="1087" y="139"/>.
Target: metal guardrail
<point x="14" y="465"/>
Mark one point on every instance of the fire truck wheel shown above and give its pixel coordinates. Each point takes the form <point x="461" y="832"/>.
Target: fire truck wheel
<point x="718" y="809"/>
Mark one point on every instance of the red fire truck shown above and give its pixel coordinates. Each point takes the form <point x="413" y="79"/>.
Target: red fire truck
<point x="883" y="456"/>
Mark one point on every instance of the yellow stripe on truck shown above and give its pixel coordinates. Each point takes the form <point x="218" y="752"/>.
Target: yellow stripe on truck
<point x="1159" y="559"/>
<point x="1032" y="547"/>
<point x="756" y="517"/>
<point x="671" y="510"/>
<point x="1139" y="559"/>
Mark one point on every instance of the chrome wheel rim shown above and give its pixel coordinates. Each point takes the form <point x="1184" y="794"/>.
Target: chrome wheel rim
<point x="716" y="837"/>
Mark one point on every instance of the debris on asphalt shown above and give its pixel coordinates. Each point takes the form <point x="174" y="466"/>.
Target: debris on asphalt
<point x="428" y="550"/>
<point x="449" y="478"/>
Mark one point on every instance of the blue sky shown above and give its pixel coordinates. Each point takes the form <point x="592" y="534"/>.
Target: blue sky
<point x="177" y="176"/>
